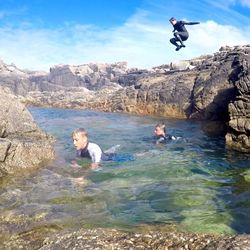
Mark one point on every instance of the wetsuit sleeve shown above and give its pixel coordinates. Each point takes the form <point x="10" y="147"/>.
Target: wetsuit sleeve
<point x="95" y="152"/>
<point x="170" y="137"/>
<point x="191" y="23"/>
<point x="160" y="140"/>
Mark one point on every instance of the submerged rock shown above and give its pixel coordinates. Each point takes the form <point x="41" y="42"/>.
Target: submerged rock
<point x="22" y="144"/>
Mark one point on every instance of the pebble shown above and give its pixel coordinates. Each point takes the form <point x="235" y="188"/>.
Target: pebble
<point x="108" y="239"/>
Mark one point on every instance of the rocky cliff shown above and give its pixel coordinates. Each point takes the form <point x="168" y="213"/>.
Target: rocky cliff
<point x="238" y="136"/>
<point x="201" y="88"/>
<point x="22" y="144"/>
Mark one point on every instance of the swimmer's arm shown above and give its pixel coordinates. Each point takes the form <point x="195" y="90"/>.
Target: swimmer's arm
<point x="96" y="155"/>
<point x="94" y="165"/>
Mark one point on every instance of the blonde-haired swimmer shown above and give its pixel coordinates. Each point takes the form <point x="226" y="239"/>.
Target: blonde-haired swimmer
<point x="88" y="149"/>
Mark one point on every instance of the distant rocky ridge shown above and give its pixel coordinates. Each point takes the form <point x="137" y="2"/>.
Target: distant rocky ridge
<point x="201" y="88"/>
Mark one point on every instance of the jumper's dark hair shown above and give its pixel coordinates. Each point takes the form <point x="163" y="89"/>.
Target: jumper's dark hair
<point x="172" y="19"/>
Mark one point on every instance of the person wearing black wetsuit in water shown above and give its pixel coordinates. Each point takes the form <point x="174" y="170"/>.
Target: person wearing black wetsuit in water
<point x="161" y="134"/>
<point x="181" y="34"/>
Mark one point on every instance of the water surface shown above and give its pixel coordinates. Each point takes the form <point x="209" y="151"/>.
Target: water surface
<point x="194" y="183"/>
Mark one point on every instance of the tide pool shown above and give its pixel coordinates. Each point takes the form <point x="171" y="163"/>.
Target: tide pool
<point x="194" y="183"/>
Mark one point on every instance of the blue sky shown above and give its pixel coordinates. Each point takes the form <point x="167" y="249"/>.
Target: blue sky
<point x="37" y="34"/>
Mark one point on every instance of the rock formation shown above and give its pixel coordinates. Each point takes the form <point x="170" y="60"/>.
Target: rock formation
<point x="200" y="88"/>
<point x="22" y="144"/>
<point x="238" y="136"/>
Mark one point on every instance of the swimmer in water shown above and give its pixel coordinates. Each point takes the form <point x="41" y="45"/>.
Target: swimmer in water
<point x="88" y="149"/>
<point x="161" y="135"/>
<point x="92" y="151"/>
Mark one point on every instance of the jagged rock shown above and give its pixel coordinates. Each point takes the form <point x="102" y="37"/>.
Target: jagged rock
<point x="4" y="147"/>
<point x="158" y="94"/>
<point x="22" y="144"/>
<point x="238" y="136"/>
<point x="213" y="90"/>
<point x="91" y="76"/>
<point x="181" y="65"/>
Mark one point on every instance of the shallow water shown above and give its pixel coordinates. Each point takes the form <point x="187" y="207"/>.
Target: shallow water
<point x="193" y="183"/>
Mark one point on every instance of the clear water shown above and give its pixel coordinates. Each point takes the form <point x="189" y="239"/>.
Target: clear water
<point x="194" y="183"/>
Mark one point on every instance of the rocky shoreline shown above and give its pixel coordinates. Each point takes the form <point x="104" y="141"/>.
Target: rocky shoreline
<point x="211" y="88"/>
<point x="117" y="239"/>
<point x="23" y="145"/>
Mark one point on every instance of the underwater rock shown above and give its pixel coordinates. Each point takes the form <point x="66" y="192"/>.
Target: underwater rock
<point x="246" y="175"/>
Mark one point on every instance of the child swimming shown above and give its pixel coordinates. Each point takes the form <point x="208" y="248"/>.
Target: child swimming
<point x="93" y="151"/>
<point x="161" y="135"/>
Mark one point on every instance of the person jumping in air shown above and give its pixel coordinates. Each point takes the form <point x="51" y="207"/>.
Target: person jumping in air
<point x="181" y="34"/>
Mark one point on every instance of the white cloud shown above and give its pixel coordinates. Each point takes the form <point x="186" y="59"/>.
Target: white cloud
<point x="223" y="3"/>
<point x="210" y="35"/>
<point x="245" y="3"/>
<point x="141" y="43"/>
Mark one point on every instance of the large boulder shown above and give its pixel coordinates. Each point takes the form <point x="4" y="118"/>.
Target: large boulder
<point x="15" y="79"/>
<point x="238" y="136"/>
<point x="22" y="144"/>
<point x="91" y="76"/>
<point x="156" y="94"/>
<point x="213" y="88"/>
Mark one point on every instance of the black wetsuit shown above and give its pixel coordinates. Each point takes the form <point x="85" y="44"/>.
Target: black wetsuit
<point x="94" y="152"/>
<point x="181" y="34"/>
<point x="165" y="139"/>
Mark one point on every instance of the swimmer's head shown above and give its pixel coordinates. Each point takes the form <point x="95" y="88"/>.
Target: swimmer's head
<point x="160" y="129"/>
<point x="172" y="20"/>
<point x="80" y="138"/>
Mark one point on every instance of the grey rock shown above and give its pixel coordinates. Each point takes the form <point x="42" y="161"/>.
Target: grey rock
<point x="4" y="147"/>
<point x="22" y="144"/>
<point x="238" y="136"/>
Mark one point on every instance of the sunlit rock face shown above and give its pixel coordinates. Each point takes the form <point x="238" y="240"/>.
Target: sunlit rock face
<point x="238" y="136"/>
<point x="22" y="144"/>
